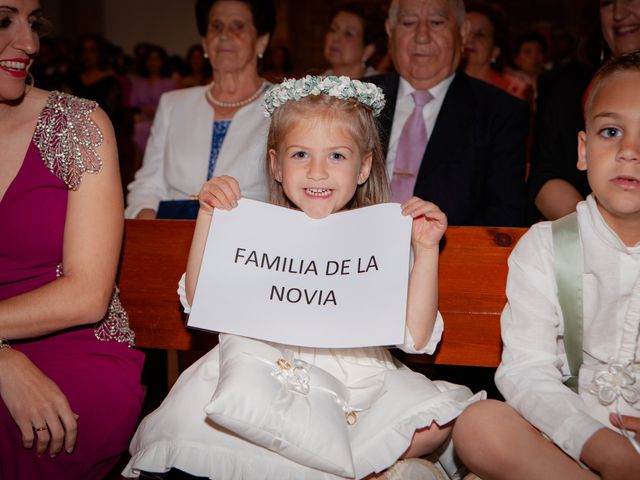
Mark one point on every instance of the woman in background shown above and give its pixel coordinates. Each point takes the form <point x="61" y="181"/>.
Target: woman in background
<point x="485" y="45"/>
<point x="530" y="58"/>
<point x="351" y="41"/>
<point x="198" y="69"/>
<point x="555" y="184"/>
<point x="218" y="129"/>
<point x="155" y="79"/>
<point x="96" y="80"/>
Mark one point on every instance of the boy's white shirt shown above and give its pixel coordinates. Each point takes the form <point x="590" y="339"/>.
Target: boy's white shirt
<point x="533" y="361"/>
<point x="409" y="343"/>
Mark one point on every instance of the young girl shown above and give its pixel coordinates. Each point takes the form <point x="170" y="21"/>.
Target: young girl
<point x="323" y="157"/>
<point x="512" y="441"/>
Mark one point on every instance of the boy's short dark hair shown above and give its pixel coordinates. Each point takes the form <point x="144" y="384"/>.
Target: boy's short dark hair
<point x="627" y="62"/>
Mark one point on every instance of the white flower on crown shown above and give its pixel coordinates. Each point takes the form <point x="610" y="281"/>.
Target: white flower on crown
<point x="342" y="87"/>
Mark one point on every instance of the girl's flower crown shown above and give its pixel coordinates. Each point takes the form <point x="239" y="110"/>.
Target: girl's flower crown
<point x="343" y="88"/>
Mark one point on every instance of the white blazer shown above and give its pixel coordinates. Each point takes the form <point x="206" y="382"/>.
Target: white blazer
<point x="177" y="155"/>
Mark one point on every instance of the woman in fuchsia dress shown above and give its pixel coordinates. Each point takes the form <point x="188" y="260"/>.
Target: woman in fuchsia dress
<point x="70" y="391"/>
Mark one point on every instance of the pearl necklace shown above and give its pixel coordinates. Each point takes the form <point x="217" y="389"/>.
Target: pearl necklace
<point x="241" y="103"/>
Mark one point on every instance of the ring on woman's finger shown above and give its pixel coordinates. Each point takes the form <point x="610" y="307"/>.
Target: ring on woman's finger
<point x="41" y="429"/>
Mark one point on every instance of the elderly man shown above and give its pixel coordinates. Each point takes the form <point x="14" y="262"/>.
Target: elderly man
<point x="449" y="138"/>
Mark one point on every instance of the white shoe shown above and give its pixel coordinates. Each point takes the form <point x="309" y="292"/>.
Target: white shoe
<point x="414" y="469"/>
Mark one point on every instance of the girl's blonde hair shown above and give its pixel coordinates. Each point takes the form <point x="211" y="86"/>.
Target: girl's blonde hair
<point x="356" y="119"/>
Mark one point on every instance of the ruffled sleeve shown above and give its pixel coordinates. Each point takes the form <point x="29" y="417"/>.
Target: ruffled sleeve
<point x="409" y="344"/>
<point x="182" y="293"/>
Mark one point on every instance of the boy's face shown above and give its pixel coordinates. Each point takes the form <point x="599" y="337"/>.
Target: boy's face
<point x="319" y="166"/>
<point x="610" y="148"/>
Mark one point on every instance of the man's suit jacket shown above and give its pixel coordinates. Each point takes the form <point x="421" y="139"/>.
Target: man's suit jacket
<point x="474" y="165"/>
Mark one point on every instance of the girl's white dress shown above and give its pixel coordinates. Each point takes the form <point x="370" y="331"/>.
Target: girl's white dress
<point x="179" y="434"/>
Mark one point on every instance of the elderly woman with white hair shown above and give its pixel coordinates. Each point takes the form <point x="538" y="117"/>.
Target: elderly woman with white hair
<point x="217" y="129"/>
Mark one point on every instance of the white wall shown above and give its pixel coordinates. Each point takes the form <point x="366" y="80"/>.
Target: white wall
<point x="169" y="23"/>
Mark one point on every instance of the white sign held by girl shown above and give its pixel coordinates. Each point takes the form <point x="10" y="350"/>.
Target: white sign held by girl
<point x="276" y="274"/>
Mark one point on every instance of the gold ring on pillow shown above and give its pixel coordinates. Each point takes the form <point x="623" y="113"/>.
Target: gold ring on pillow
<point x="283" y="364"/>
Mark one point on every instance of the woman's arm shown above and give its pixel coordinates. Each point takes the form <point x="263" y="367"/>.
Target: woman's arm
<point x="557" y="198"/>
<point x="429" y="224"/>
<point x="91" y="246"/>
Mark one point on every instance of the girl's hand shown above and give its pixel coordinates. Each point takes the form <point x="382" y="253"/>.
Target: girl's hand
<point x="219" y="192"/>
<point x="37" y="405"/>
<point x="429" y="223"/>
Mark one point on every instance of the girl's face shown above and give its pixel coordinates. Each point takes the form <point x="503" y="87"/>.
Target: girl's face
<point x="319" y="165"/>
<point x="343" y="44"/>
<point x="19" y="43"/>
<point x="610" y="148"/>
<point x="620" y="21"/>
<point x="232" y="40"/>
<point x="479" y="48"/>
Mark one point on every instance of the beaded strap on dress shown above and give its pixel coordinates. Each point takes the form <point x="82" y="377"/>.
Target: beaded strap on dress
<point x="68" y="138"/>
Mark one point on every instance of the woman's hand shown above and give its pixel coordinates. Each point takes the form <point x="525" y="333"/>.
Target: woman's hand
<point x="429" y="223"/>
<point x="219" y="192"/>
<point x="37" y="405"/>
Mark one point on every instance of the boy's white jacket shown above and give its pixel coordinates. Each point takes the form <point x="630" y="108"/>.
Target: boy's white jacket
<point x="176" y="159"/>
<point x="534" y="364"/>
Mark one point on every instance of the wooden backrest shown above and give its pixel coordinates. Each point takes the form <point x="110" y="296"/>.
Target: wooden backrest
<point x="473" y="270"/>
<point x="472" y="278"/>
<point x="154" y="256"/>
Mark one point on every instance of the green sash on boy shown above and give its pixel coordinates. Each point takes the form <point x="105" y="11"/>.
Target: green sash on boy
<point x="568" y="266"/>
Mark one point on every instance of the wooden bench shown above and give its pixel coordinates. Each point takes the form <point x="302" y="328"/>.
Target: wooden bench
<point x="473" y="270"/>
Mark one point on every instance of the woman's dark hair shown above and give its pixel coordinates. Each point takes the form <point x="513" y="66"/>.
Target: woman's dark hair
<point x="165" y="70"/>
<point x="262" y="11"/>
